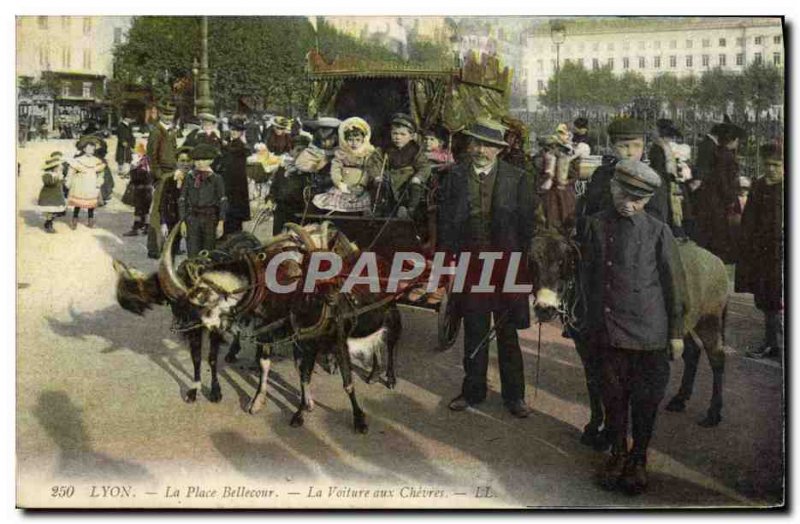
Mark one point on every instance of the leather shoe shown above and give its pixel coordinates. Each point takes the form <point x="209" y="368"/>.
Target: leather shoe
<point x="612" y="471"/>
<point x="634" y="478"/>
<point x="460" y="403"/>
<point x="518" y="408"/>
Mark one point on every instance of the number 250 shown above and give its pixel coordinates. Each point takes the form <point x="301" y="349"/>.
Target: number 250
<point x="62" y="491"/>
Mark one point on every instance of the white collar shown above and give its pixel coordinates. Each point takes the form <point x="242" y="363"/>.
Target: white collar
<point x="484" y="170"/>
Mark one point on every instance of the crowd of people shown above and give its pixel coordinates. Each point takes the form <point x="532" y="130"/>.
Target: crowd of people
<point x="487" y="193"/>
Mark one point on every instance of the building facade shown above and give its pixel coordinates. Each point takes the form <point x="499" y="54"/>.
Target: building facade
<point x="653" y="46"/>
<point x="73" y="55"/>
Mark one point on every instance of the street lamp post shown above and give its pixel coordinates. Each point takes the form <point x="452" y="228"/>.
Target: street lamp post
<point x="195" y="71"/>
<point x="205" y="104"/>
<point x="558" y="33"/>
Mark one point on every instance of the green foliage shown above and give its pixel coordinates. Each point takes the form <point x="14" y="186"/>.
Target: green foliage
<point x="259" y="58"/>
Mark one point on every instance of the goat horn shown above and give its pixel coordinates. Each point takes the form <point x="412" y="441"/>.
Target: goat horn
<point x="171" y="285"/>
<point x="305" y="238"/>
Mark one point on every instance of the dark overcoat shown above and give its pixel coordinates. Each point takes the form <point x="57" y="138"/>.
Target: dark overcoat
<point x="598" y="195"/>
<point x="511" y="230"/>
<point x="718" y="192"/>
<point x="233" y="168"/>
<point x="760" y="267"/>
<point x="126" y="141"/>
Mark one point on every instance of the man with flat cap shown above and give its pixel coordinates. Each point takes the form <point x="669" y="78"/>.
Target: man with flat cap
<point x="634" y="290"/>
<point x="203" y="203"/>
<point x="485" y="206"/>
<point x="162" y="148"/>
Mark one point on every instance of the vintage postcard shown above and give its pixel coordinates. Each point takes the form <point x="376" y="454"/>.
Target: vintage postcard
<point x="406" y="262"/>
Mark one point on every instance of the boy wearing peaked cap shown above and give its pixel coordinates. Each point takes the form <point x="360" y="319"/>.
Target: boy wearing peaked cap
<point x="202" y="204"/>
<point x="634" y="289"/>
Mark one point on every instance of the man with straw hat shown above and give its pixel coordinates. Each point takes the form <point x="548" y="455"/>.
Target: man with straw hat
<point x="487" y="205"/>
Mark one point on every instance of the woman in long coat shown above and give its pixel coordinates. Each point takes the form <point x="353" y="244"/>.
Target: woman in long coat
<point x="84" y="179"/>
<point x="233" y="168"/>
<point x="718" y="192"/>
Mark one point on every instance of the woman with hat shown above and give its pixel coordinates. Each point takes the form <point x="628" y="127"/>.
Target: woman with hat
<point x="718" y="192"/>
<point x="51" y="197"/>
<point x="349" y="170"/>
<point x="278" y="137"/>
<point x="84" y="179"/>
<point x="233" y="168"/>
<point x="403" y="173"/>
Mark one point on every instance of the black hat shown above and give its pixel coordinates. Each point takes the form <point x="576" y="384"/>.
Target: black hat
<point x="581" y="122"/>
<point x="636" y="178"/>
<point x="184" y="150"/>
<point x="204" y="151"/>
<point x="489" y="131"/>
<point x="729" y="132"/>
<point x="626" y="128"/>
<point x="404" y="120"/>
<point x="666" y="128"/>
<point x="238" y="124"/>
<point x="88" y="139"/>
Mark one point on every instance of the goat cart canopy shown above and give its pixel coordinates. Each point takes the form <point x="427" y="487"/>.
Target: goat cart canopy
<point x="439" y="94"/>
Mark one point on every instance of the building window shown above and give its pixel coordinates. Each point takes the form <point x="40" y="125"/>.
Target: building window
<point x="87" y="58"/>
<point x="673" y="44"/>
<point x="673" y="61"/>
<point x="87" y="25"/>
<point x="87" y="90"/>
<point x="722" y="42"/>
<point x="595" y="64"/>
<point x="757" y="58"/>
<point x="611" y="46"/>
<point x="706" y="42"/>
<point x="611" y="63"/>
<point x="706" y="61"/>
<point x="117" y="35"/>
<point x="758" y="40"/>
<point x="641" y="62"/>
<point x="739" y="59"/>
<point x="42" y="22"/>
<point x="626" y="63"/>
<point x="689" y="44"/>
<point x="688" y="60"/>
<point x="641" y="45"/>
<point x="657" y="62"/>
<point x="66" y="59"/>
<point x="776" y="59"/>
<point x="65" y="88"/>
<point x="776" y="40"/>
<point x="540" y="65"/>
<point x="540" y="85"/>
<point x="723" y="61"/>
<point x="657" y="44"/>
<point x="740" y="41"/>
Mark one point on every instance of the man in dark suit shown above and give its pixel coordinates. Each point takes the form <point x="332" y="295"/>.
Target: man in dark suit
<point x="162" y="150"/>
<point x="487" y="205"/>
<point x="126" y="141"/>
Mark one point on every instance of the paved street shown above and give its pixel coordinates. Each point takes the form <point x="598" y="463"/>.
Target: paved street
<point x="99" y="405"/>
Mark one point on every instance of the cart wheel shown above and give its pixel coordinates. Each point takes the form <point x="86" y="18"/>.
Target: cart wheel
<point x="449" y="322"/>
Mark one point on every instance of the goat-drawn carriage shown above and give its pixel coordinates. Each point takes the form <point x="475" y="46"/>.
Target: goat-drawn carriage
<point x="439" y="94"/>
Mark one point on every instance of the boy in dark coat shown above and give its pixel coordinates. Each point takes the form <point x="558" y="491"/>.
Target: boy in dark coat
<point x="126" y="141"/>
<point x="634" y="289"/>
<point x="202" y="204"/>
<point x="760" y="267"/>
<point x="486" y="205"/>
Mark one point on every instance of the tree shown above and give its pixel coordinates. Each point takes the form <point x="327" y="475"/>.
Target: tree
<point x="763" y="85"/>
<point x="716" y="90"/>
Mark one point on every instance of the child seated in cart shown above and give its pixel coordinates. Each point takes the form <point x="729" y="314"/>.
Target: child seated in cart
<point x="350" y="170"/>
